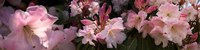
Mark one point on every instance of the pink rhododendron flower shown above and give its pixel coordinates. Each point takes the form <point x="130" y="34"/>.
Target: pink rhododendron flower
<point x="177" y="31"/>
<point x="136" y="20"/>
<point x="75" y="9"/>
<point x="157" y="33"/>
<point x="159" y="37"/>
<point x="147" y="26"/>
<point x="88" y="34"/>
<point x="2" y="3"/>
<point x="94" y="8"/>
<point x="190" y="12"/>
<point x="169" y="12"/>
<point x="79" y="7"/>
<point x="191" y="46"/>
<point x="112" y="33"/>
<point x="40" y="25"/>
<point x="25" y="25"/>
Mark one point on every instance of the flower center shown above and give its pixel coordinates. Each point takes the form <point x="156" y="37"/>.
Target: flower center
<point x="174" y="30"/>
<point x="189" y="13"/>
<point x="28" y="35"/>
<point x="168" y="14"/>
<point x="110" y="33"/>
<point x="89" y="35"/>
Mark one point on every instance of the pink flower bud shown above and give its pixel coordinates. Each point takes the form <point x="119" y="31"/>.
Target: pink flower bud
<point x="32" y="4"/>
<point x="138" y="3"/>
<point x="194" y="37"/>
<point x="108" y="10"/>
<point x="183" y="17"/>
<point x="86" y="22"/>
<point x="151" y="9"/>
<point x="141" y="3"/>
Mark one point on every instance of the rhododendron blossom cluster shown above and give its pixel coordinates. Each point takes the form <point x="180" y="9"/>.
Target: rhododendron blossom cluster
<point x="100" y="25"/>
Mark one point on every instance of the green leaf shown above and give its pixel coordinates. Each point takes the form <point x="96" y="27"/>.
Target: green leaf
<point x="130" y="44"/>
<point x="85" y="47"/>
<point x="79" y="46"/>
<point x="91" y="48"/>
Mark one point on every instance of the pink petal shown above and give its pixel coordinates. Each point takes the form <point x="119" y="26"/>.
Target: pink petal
<point x="142" y="14"/>
<point x="55" y="37"/>
<point x="157" y="21"/>
<point x="151" y="9"/>
<point x="38" y="11"/>
<point x="108" y="10"/>
<point x="102" y="10"/>
<point x="65" y="46"/>
<point x="102" y="34"/>
<point x="86" y="22"/>
<point x="120" y="37"/>
<point x="117" y="23"/>
<point x="159" y="36"/>
<point x="70" y="34"/>
<point x="146" y="28"/>
<point x="191" y="46"/>
<point x="194" y="37"/>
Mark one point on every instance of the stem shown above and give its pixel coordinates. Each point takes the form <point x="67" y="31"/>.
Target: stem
<point x="178" y="48"/>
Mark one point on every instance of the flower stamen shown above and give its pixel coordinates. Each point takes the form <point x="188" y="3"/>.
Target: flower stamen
<point x="29" y="35"/>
